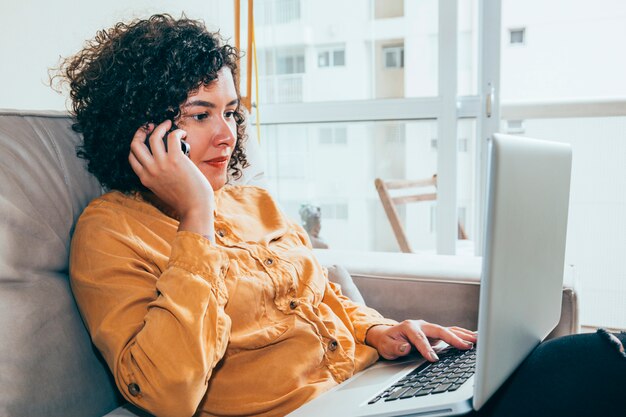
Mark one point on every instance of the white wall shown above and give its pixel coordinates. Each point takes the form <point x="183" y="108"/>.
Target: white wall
<point x="34" y="34"/>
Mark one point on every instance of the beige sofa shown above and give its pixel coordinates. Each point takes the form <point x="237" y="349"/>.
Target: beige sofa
<point x="48" y="366"/>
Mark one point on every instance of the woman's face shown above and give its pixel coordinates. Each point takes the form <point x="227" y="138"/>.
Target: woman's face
<point x="208" y="117"/>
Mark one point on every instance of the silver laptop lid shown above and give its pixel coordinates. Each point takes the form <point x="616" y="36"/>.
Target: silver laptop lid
<point x="523" y="259"/>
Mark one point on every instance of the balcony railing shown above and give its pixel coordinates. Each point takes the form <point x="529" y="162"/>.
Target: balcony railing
<point x="286" y="88"/>
<point x="275" y="12"/>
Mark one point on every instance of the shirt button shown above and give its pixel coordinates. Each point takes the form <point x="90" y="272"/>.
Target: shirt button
<point x="269" y="261"/>
<point x="134" y="389"/>
<point x="332" y="345"/>
<point x="221" y="233"/>
<point x="293" y="304"/>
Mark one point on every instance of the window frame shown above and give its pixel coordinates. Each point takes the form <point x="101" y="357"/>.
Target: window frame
<point x="446" y="108"/>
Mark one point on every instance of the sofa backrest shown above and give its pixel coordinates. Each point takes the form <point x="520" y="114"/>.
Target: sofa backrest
<point x="48" y="366"/>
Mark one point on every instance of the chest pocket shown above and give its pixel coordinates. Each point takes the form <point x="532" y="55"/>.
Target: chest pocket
<point x="250" y="301"/>
<point x="310" y="281"/>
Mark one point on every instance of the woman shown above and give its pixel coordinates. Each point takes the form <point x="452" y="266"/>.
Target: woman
<point x="202" y="296"/>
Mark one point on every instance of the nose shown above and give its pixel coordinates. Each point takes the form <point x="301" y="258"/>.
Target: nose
<point x="225" y="133"/>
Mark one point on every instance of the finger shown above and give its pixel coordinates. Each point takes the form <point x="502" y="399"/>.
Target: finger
<point x="157" y="145"/>
<point x="401" y="347"/>
<point x="138" y="147"/>
<point x="142" y="133"/>
<point x="135" y="165"/>
<point x="173" y="142"/>
<point x="445" y="334"/>
<point x="421" y="343"/>
<point x="464" y="334"/>
<point x="462" y="329"/>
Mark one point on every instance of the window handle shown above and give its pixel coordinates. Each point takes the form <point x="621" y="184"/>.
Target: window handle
<point x="491" y="93"/>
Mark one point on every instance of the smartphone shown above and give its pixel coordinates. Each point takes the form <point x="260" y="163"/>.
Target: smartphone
<point x="184" y="146"/>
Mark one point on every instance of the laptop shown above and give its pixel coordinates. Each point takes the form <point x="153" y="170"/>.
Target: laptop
<point x="520" y="296"/>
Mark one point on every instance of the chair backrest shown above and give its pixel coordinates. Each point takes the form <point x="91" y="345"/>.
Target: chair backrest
<point x="416" y="193"/>
<point x="48" y="366"/>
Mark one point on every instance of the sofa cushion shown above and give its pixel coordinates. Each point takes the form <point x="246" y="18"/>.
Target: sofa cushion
<point x="47" y="364"/>
<point x="339" y="275"/>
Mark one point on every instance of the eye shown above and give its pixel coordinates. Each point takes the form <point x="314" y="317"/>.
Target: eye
<point x="200" y="116"/>
<point x="229" y="114"/>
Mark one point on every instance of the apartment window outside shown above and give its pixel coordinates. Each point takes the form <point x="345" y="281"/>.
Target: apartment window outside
<point x="289" y="63"/>
<point x="337" y="135"/>
<point x="393" y="56"/>
<point x="517" y="36"/>
<point x="282" y="72"/>
<point x="331" y="57"/>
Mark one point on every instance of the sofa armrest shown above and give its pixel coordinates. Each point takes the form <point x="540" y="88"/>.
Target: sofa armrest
<point x="436" y="288"/>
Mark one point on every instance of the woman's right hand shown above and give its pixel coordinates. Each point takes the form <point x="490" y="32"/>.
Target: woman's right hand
<point x="173" y="177"/>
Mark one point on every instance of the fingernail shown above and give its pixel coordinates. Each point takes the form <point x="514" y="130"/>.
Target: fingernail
<point x="433" y="355"/>
<point x="404" y="347"/>
<point x="469" y="344"/>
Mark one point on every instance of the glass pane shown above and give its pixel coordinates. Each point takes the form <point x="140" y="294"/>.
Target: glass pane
<point x="466" y="183"/>
<point x="391" y="58"/>
<point x="333" y="166"/>
<point x="339" y="58"/>
<point x="322" y="59"/>
<point x="596" y="241"/>
<point x="291" y="36"/>
<point x="587" y="65"/>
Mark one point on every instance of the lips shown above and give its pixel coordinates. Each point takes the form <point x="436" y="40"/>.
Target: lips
<point x="219" y="161"/>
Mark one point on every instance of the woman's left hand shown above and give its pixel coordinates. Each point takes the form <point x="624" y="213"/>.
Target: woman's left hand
<point x="395" y="341"/>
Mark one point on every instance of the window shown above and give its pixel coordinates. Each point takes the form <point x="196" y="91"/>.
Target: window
<point x="331" y="57"/>
<point x="277" y="12"/>
<point x="289" y="64"/>
<point x="389" y="138"/>
<point x="282" y="69"/>
<point x="323" y="59"/>
<point x="281" y="61"/>
<point x="336" y="135"/>
<point x="462" y="145"/>
<point x="517" y="36"/>
<point x="393" y="56"/>
<point x="335" y="211"/>
<point x="306" y="165"/>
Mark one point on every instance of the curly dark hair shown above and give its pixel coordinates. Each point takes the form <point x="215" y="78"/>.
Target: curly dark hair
<point x="138" y="73"/>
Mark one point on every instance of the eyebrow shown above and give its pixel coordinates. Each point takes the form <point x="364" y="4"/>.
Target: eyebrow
<point x="208" y="104"/>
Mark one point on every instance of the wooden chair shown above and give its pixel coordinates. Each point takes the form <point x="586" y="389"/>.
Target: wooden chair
<point x="390" y="203"/>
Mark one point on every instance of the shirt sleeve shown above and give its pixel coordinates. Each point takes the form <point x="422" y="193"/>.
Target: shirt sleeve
<point x="360" y="317"/>
<point x="161" y="333"/>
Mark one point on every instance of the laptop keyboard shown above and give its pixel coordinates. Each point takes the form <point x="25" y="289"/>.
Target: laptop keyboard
<point x="448" y="374"/>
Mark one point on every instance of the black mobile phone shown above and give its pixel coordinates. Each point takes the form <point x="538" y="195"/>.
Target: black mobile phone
<point x="184" y="146"/>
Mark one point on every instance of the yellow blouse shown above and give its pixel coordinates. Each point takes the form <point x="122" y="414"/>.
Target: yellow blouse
<point x="247" y="326"/>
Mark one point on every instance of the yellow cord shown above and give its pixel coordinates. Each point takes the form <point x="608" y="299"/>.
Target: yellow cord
<point x="256" y="89"/>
